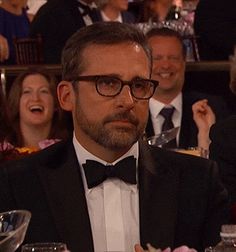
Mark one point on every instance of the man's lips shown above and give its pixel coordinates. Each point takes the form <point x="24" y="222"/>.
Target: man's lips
<point x="122" y="119"/>
<point x="122" y="123"/>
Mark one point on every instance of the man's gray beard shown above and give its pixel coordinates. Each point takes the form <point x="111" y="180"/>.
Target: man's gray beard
<point x="114" y="139"/>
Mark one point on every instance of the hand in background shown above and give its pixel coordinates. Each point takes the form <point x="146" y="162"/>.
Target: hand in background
<point x="204" y="118"/>
<point x="4" y="49"/>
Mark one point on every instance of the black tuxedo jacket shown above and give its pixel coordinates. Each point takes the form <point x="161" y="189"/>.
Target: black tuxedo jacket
<point x="56" y="21"/>
<point x="188" y="129"/>
<point x="223" y="150"/>
<point x="181" y="198"/>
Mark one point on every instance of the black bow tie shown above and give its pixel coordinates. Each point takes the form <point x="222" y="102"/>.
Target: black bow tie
<point x="96" y="172"/>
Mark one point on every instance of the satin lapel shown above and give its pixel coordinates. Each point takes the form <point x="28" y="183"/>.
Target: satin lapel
<point x="158" y="197"/>
<point x="77" y="18"/>
<point x="149" y="128"/>
<point x="65" y="193"/>
<point x="188" y="130"/>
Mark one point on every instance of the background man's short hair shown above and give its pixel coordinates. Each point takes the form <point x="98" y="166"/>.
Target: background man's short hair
<point x="166" y="32"/>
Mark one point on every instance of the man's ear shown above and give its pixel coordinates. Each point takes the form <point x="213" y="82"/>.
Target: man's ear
<point x="66" y="96"/>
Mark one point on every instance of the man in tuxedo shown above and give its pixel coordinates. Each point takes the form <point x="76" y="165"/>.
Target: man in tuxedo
<point x="105" y="189"/>
<point x="57" y="20"/>
<point x="169" y="64"/>
<point x="115" y="10"/>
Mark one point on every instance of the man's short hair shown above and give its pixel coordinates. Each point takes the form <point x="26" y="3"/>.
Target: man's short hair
<point x="100" y="33"/>
<point x="167" y="32"/>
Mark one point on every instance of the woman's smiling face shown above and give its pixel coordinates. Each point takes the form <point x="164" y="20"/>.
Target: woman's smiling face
<point x="36" y="101"/>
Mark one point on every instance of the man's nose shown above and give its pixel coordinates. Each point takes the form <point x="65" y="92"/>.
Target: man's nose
<point x="125" y="97"/>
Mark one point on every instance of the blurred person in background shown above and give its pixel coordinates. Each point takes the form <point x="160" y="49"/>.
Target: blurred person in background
<point x="33" y="7"/>
<point x="33" y="110"/>
<point x="160" y="10"/>
<point x="215" y="28"/>
<point x="169" y="64"/>
<point x="115" y="10"/>
<point x="14" y="23"/>
<point x="57" y="20"/>
<point x="3" y="116"/>
<point x="223" y="151"/>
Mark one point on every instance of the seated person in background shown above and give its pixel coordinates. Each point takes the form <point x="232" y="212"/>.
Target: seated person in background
<point x="3" y="116"/>
<point x="33" y="7"/>
<point x="57" y="20"/>
<point x="169" y="69"/>
<point x="157" y="11"/>
<point x="14" y="23"/>
<point x="215" y="28"/>
<point x="176" y="200"/>
<point x="223" y="151"/>
<point x="115" y="10"/>
<point x="33" y="110"/>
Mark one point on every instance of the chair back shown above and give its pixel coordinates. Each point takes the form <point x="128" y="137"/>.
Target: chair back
<point x="28" y="51"/>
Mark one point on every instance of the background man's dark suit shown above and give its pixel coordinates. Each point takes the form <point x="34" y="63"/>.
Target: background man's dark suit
<point x="56" y="21"/>
<point x="181" y="199"/>
<point x="188" y="129"/>
<point x="215" y="26"/>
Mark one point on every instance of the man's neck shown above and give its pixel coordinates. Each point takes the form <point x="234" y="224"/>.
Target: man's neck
<point x="111" y="12"/>
<point x="33" y="135"/>
<point x="107" y="154"/>
<point x="165" y="98"/>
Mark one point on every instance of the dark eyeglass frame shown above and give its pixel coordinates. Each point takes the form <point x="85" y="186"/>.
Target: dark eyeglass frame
<point x="96" y="78"/>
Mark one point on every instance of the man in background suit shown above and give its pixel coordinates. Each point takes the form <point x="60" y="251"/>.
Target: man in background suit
<point x="57" y="20"/>
<point x="106" y="190"/>
<point x="169" y="69"/>
<point x="115" y="10"/>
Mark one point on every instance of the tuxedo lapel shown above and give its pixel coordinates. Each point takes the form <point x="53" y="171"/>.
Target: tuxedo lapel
<point x="65" y="194"/>
<point x="149" y="128"/>
<point x="188" y="130"/>
<point x="158" y="197"/>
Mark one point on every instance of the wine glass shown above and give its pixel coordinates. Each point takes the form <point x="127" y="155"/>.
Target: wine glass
<point x="164" y="137"/>
<point x="13" y="226"/>
<point x="45" y="247"/>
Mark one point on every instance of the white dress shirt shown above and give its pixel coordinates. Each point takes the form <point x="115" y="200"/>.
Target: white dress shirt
<point x="113" y="207"/>
<point x="34" y="5"/>
<point x="157" y="119"/>
<point x="105" y="18"/>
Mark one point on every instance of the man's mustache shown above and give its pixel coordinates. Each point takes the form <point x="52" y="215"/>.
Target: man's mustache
<point x="127" y="116"/>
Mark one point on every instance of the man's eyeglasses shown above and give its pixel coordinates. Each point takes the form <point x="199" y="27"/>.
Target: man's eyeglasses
<point x="111" y="86"/>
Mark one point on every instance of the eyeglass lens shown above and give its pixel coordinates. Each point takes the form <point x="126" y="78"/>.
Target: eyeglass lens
<point x="111" y="86"/>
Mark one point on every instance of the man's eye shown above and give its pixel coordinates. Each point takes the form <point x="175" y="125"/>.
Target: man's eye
<point x="108" y="82"/>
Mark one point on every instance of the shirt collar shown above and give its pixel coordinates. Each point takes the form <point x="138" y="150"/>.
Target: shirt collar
<point x="107" y="19"/>
<point x="82" y="155"/>
<point x="156" y="106"/>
